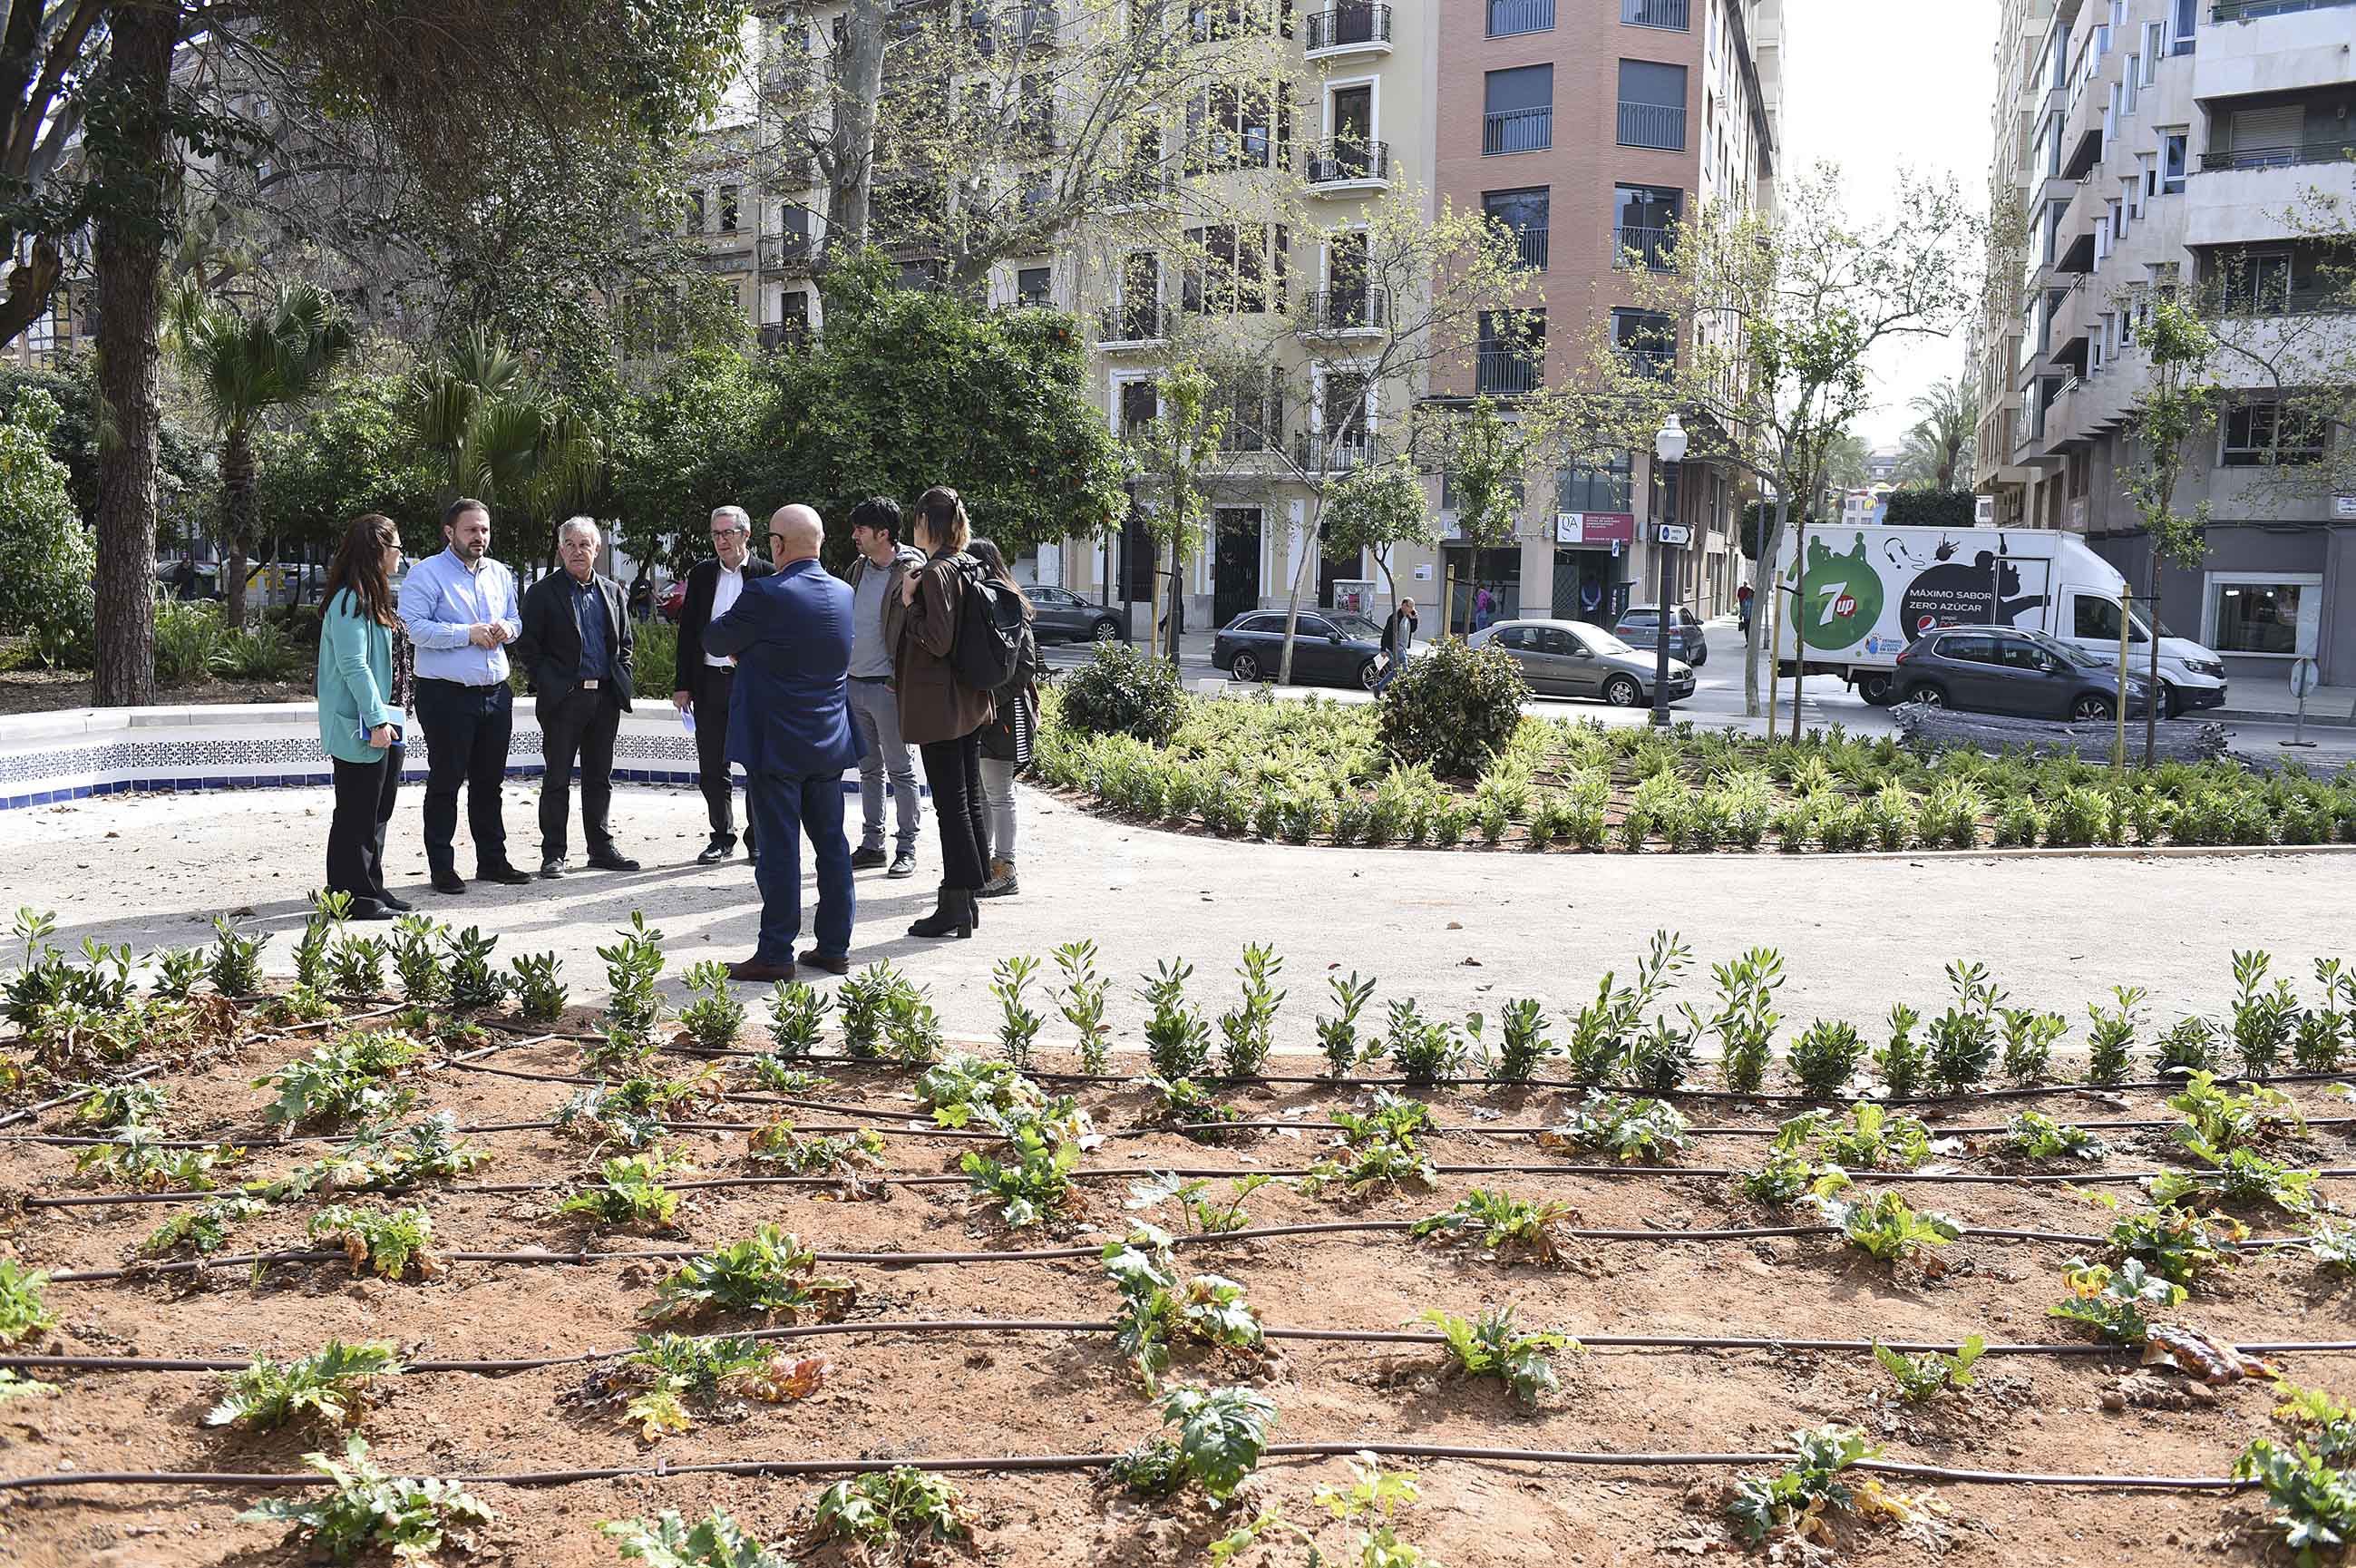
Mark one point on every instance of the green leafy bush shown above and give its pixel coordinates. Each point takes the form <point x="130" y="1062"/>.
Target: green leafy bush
<point x="369" y="1509"/>
<point x="1921" y="1379"/>
<point x="1808" y="1488"/>
<point x="48" y="559"/>
<point x="897" y="1511"/>
<point x="717" y="1541"/>
<point x="769" y="1271"/>
<point x="1123" y="691"/>
<point x="1494" y="1346"/>
<point x="333" y="1382"/>
<point x="1452" y="707"/>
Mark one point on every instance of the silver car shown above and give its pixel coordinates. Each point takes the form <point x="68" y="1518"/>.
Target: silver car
<point x="1574" y="658"/>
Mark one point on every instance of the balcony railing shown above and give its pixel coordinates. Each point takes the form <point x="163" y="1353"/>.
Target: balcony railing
<point x="1516" y="131"/>
<point x="1507" y="369"/>
<point x="1530" y="247"/>
<point x="1347" y="27"/>
<point x="2320" y="151"/>
<point x="2245" y="10"/>
<point x="780" y="251"/>
<point x="1142" y="322"/>
<point x="1347" y="158"/>
<point x="1674" y="13"/>
<point x="776" y="336"/>
<point x="1655" y="363"/>
<point x="2301" y="299"/>
<point x="1661" y="125"/>
<point x="1317" y="455"/>
<point x="1361" y="309"/>
<point x="1636" y="246"/>
<point x="1507" y="17"/>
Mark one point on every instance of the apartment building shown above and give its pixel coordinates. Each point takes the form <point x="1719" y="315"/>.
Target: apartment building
<point x="2162" y="145"/>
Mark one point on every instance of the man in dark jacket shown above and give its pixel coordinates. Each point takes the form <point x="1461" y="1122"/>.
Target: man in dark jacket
<point x="790" y="727"/>
<point x="706" y="680"/>
<point x="576" y="648"/>
<point x="1399" y="635"/>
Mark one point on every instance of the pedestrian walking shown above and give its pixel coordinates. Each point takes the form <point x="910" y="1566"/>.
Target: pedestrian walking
<point x="789" y="727"/>
<point x="577" y="649"/>
<point x="877" y="574"/>
<point x="1399" y="635"/>
<point x="1006" y="739"/>
<point x="1743" y="608"/>
<point x="642" y="596"/>
<point x="706" y="680"/>
<point x="362" y="688"/>
<point x="940" y="714"/>
<point x="461" y="612"/>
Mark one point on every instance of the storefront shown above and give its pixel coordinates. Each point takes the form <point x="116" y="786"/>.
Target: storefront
<point x="1484" y="586"/>
<point x="1591" y="553"/>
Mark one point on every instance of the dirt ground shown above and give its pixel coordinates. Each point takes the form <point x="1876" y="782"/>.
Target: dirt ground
<point x="37" y="690"/>
<point x="892" y="1395"/>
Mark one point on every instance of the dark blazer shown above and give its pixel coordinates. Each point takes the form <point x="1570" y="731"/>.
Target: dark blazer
<point x="934" y="705"/>
<point x="695" y="614"/>
<point x="790" y="636"/>
<point x="548" y="650"/>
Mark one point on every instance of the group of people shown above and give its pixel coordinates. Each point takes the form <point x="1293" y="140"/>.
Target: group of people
<point x="784" y="670"/>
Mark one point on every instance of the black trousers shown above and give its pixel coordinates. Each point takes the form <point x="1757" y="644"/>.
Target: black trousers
<point x="364" y="792"/>
<point x="953" y="771"/>
<point x="579" y="723"/>
<point x="713" y="688"/>
<point x="466" y="729"/>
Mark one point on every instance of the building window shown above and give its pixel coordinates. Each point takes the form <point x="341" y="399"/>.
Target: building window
<point x="2171" y="161"/>
<point x="1644" y="226"/>
<point x="1647" y="339"/>
<point x="1032" y="286"/>
<point x="2133" y="79"/>
<point x="1590" y="486"/>
<point x="1508" y="17"/>
<point x="2182" y="23"/>
<point x="1519" y="115"/>
<point x="693" y="222"/>
<point x="1676" y="15"/>
<point x="2268" y="614"/>
<point x="1239" y="127"/>
<point x="728" y="209"/>
<point x="1511" y="360"/>
<point x="1139" y="406"/>
<point x="1652" y="105"/>
<point x="1524" y="215"/>
<point x="2266" y="434"/>
<point x="1255" y="410"/>
<point x="1230" y="270"/>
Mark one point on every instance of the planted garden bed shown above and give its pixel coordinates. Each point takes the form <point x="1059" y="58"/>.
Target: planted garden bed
<point x="1597" y="1228"/>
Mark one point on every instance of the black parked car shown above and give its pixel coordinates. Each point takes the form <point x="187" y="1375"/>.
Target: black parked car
<point x="1329" y="648"/>
<point x="2000" y="670"/>
<point x="1639" y="625"/>
<point x="1062" y="615"/>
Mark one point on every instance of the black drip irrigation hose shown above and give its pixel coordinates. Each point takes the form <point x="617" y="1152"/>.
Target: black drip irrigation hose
<point x="542" y="1256"/>
<point x="1013" y="1463"/>
<point x="712" y="1184"/>
<point x="507" y="1366"/>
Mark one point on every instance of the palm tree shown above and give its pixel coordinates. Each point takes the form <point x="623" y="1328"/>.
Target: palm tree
<point x="1940" y="443"/>
<point x="502" y="436"/>
<point x="246" y="368"/>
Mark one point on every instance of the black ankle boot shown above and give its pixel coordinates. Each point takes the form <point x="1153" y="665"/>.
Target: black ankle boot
<point x="973" y="907"/>
<point x="952" y="915"/>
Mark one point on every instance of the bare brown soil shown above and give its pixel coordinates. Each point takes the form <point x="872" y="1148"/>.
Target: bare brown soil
<point x="48" y="691"/>
<point x="1007" y="1394"/>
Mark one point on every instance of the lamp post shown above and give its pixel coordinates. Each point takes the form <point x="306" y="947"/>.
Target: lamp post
<point x="1669" y="447"/>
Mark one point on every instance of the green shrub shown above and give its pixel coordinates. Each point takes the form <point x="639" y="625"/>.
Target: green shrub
<point x="48" y="560"/>
<point x="654" y="657"/>
<point x="1123" y="691"/>
<point x="1453" y="708"/>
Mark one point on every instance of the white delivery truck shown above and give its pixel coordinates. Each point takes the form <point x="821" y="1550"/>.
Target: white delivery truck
<point x="1869" y="592"/>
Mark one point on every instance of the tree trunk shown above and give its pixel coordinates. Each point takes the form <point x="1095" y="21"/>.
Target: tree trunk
<point x="237" y="507"/>
<point x="1312" y="552"/>
<point x="2151" y="692"/>
<point x="1762" y="574"/>
<point x="1799" y="617"/>
<point x="851" y="153"/>
<point x="141" y="178"/>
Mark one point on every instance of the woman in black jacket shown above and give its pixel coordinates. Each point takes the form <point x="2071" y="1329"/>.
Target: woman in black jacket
<point x="1006" y="739"/>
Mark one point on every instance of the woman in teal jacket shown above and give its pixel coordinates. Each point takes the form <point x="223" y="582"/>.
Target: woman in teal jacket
<point x="362" y="690"/>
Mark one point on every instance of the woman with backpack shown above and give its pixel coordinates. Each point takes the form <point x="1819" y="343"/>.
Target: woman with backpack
<point x="1006" y="739"/>
<point x="941" y="713"/>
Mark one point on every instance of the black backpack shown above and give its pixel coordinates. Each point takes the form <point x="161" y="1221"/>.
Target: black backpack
<point x="988" y="629"/>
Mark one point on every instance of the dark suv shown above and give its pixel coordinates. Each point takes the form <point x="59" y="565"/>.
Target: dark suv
<point x="1640" y="626"/>
<point x="2000" y="670"/>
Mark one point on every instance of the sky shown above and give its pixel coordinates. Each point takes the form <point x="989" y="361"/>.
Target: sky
<point x="1875" y="86"/>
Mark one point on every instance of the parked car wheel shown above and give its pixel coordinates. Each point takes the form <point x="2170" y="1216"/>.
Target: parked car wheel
<point x="1878" y="687"/>
<point x="1368" y="675"/>
<point x="1700" y="655"/>
<point x="1105" y="630"/>
<point x="2170" y="704"/>
<point x="2091" y="707"/>
<point x="1244" y="667"/>
<point x="1930" y="696"/>
<point x="1621" y="692"/>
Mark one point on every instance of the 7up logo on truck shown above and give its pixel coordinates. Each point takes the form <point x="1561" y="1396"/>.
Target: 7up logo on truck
<point x="1840" y="596"/>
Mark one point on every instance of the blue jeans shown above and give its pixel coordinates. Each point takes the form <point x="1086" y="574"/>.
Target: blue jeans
<point x="783" y="806"/>
<point x="1390" y="673"/>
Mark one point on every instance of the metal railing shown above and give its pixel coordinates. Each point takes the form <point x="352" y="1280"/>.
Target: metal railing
<point x="2247" y="10"/>
<point x="1508" y="369"/>
<point x="1516" y="131"/>
<point x="1634" y="245"/>
<point x="2269" y="300"/>
<point x="1316" y="454"/>
<point x="1507" y="17"/>
<point x="1347" y="158"/>
<point x="1674" y="14"/>
<point x="1361" y="309"/>
<point x="778" y="251"/>
<point x="1661" y="125"/>
<point x="1530" y="247"/>
<point x="1347" y="26"/>
<point x="2320" y="151"/>
<point x="1142" y="323"/>
<point x="1656" y="363"/>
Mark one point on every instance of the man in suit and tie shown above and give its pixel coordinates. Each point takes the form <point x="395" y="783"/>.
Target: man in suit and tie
<point x="706" y="678"/>
<point x="790" y="725"/>
<point x="577" y="645"/>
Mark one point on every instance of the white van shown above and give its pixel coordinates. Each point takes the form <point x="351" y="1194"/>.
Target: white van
<point x="1869" y="592"/>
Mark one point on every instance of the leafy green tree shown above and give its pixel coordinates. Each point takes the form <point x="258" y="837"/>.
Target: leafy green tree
<point x="187" y="476"/>
<point x="497" y="432"/>
<point x="245" y="367"/>
<point x="1379" y="507"/>
<point x="1167" y="454"/>
<point x="1938" y="448"/>
<point x="354" y="453"/>
<point x="2177" y="406"/>
<point x="682" y="447"/>
<point x="47" y="556"/>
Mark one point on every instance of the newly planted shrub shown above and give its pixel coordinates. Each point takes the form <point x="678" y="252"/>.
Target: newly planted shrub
<point x="2033" y="1136"/>
<point x="343" y="1079"/>
<point x="203" y="1228"/>
<point x="382" y="1159"/>
<point x="1249" y="1030"/>
<point x="1337" y="1034"/>
<point x="1962" y="1039"/>
<point x="386" y="1244"/>
<point x="1810" y="1488"/>
<point x="2116" y="1305"/>
<point x="1423" y="1051"/>
<point x="334" y="1382"/>
<point x="369" y="1510"/>
<point x="1018" y="1022"/>
<point x="1885" y="1228"/>
<point x="1626" y="1129"/>
<point x="1903" y="1060"/>
<point x="796" y="1020"/>
<point x="2029" y="1037"/>
<point x="628" y="1191"/>
<point x="1452" y="707"/>
<point x="1921" y="1379"/>
<point x="1210" y="1216"/>
<point x="899" y="1511"/>
<point x="138" y="1156"/>
<point x="769" y="1271"/>
<point x="2264" y="1018"/>
<point x="1525" y="1044"/>
<point x="471" y="979"/>
<point x="22" y="1313"/>
<point x="672" y="1372"/>
<point x="1826" y="1056"/>
<point x="2178" y="1245"/>
<point x="539" y="986"/>
<point x="1502" y="1222"/>
<point x="714" y="1018"/>
<point x="1036" y="1182"/>
<point x="1081" y="1001"/>
<point x="849" y="1156"/>
<point x="1160" y="1307"/>
<point x="1177" y="1040"/>
<point x="1222" y="1433"/>
<point x="2111" y="1035"/>
<point x="417" y="959"/>
<point x="1746" y="1018"/>
<point x="236" y="966"/>
<point x="1123" y="691"/>
<point x="355" y="967"/>
<point x="2314" y="1504"/>
<point x="1494" y="1346"/>
<point x="634" y="966"/>
<point x="715" y="1541"/>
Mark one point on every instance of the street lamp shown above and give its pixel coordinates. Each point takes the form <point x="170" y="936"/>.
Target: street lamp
<point x="1669" y="447"/>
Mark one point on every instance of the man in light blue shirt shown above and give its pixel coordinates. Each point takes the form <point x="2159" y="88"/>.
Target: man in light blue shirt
<point x="461" y="610"/>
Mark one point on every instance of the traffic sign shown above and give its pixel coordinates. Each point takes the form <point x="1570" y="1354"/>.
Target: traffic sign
<point x="2302" y="677"/>
<point x="1672" y="533"/>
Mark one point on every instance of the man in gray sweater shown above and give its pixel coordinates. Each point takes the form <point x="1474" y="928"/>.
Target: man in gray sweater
<point x="875" y="710"/>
